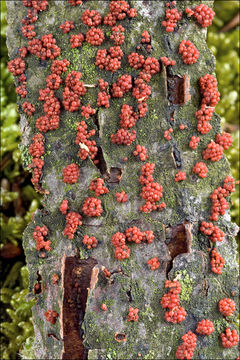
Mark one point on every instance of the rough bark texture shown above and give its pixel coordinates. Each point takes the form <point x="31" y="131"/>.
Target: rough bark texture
<point x="181" y="248"/>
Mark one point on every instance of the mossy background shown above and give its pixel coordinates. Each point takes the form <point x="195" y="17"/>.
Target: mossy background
<point x="19" y="200"/>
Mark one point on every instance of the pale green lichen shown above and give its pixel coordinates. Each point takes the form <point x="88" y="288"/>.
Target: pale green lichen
<point x="186" y="285"/>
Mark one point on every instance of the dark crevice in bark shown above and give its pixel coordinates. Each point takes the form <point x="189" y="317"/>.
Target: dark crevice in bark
<point x="95" y="118"/>
<point x="178" y="241"/>
<point x="101" y="165"/>
<point x="175" y="86"/>
<point x="114" y="175"/>
<point x="176" y="157"/>
<point x="129" y="295"/>
<point x="77" y="276"/>
<point x="53" y="335"/>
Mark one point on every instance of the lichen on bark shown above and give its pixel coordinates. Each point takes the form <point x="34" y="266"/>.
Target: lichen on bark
<point x="132" y="283"/>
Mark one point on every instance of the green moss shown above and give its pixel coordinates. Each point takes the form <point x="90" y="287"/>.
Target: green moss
<point x="26" y="157"/>
<point x="186" y="285"/>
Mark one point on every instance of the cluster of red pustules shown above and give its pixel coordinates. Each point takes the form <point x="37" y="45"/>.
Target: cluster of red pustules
<point x="28" y="108"/>
<point x="186" y="349"/>
<point x="17" y="67"/>
<point x="73" y="220"/>
<point x="202" y="13"/>
<point x="153" y="263"/>
<point x="217" y="262"/>
<point x="171" y="301"/>
<point x="132" y="234"/>
<point x="141" y="152"/>
<point x="226" y="306"/>
<point x="39" y="235"/>
<point x="92" y="207"/>
<point x="212" y="231"/>
<point x="229" y="338"/>
<point x="73" y="90"/>
<point x="121" y="196"/>
<point x="51" y="316"/>
<point x="193" y="143"/>
<point x="36" y="149"/>
<point x="87" y="147"/>
<point x="200" y="168"/>
<point x="90" y="241"/>
<point x="180" y="176"/>
<point x="205" y="327"/>
<point x="189" y="52"/>
<point x="71" y="174"/>
<point x="172" y="16"/>
<point x="133" y="314"/>
<point x="151" y="191"/>
<point x="97" y="185"/>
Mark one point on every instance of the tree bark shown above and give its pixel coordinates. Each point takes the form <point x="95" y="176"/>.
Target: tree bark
<point x="83" y="330"/>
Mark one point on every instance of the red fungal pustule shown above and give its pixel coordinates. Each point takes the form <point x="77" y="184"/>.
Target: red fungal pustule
<point x="103" y="84"/>
<point x="97" y="185"/>
<point x="59" y="66"/>
<point x="118" y="239"/>
<point x="123" y="137"/>
<point x="90" y="241"/>
<point x="44" y="48"/>
<point x="22" y="78"/>
<point x="224" y="139"/>
<point x="87" y="111"/>
<point x="16" y="66"/>
<point x="142" y="109"/>
<point x="121" y="197"/>
<point x="46" y="123"/>
<point x="87" y="147"/>
<point x="76" y="40"/>
<point x="151" y="66"/>
<point x="95" y="36"/>
<point x="22" y="52"/>
<point x="172" y="17"/>
<point x="91" y="18"/>
<point x="53" y="81"/>
<point x="38" y="5"/>
<point x="229" y="338"/>
<point x="103" y="99"/>
<point x="22" y="91"/>
<point x="226" y="306"/>
<point x="219" y="203"/>
<point x="200" y="169"/>
<point x="122" y="85"/>
<point x="36" y="149"/>
<point x="117" y="34"/>
<point x="167" y="134"/>
<point x="104" y="307"/>
<point x="204" y="15"/>
<point x="167" y="61"/>
<point x="141" y="91"/>
<point x="180" y="176"/>
<point x="204" y="116"/>
<point x="152" y="192"/>
<point x="55" y="279"/>
<point x="134" y="234"/>
<point x="73" y="220"/>
<point x="175" y="313"/>
<point x="64" y="207"/>
<point x="188" y="51"/>
<point x="182" y="126"/>
<point x="122" y="251"/>
<point x="107" y="273"/>
<point x="133" y="314"/>
<point x="75" y="2"/>
<point x="186" y="350"/>
<point x="213" y="152"/>
<point x="141" y="151"/>
<point x="216" y="262"/>
<point x="136" y="61"/>
<point x="92" y="207"/>
<point x="153" y="263"/>
<point x="39" y="235"/>
<point x="71" y="174"/>
<point x="28" y="108"/>
<point x="109" y="59"/>
<point x="146" y="38"/>
<point x="51" y="316"/>
<point x="209" y="90"/>
<point x="36" y="165"/>
<point x="73" y="90"/>
<point x="27" y="31"/>
<point x="214" y="233"/>
<point x="205" y="327"/>
<point x="128" y="117"/>
<point x="67" y="26"/>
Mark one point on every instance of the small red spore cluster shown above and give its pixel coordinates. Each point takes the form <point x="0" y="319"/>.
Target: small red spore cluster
<point x="202" y="13"/>
<point x="204" y="116"/>
<point x="28" y="108"/>
<point x="27" y="31"/>
<point x="212" y="231"/>
<point x="71" y="174"/>
<point x="167" y="61"/>
<point x="209" y="90"/>
<point x="193" y="143"/>
<point x="75" y="2"/>
<point x="87" y="147"/>
<point x="128" y="117"/>
<point x="97" y="185"/>
<point x="73" y="90"/>
<point x="200" y="169"/>
<point x="123" y="137"/>
<point x="151" y="191"/>
<point x="73" y="220"/>
<point x="76" y="40"/>
<point x="121" y="197"/>
<point x="90" y="241"/>
<point x="218" y="197"/>
<point x="189" y="52"/>
<point x="64" y="207"/>
<point x="136" y="60"/>
<point x="95" y="36"/>
<point x="87" y="111"/>
<point x="51" y="316"/>
<point x="226" y="306"/>
<point x="141" y="151"/>
<point x="104" y="307"/>
<point x="216" y="262"/>
<point x="180" y="176"/>
<point x="39" y="235"/>
<point x="213" y="152"/>
<point x="172" y="17"/>
<point x="67" y="26"/>
<point x="109" y="60"/>
<point x="205" y="327"/>
<point x="171" y="301"/>
<point x="44" y="48"/>
<point x="153" y="263"/>
<point x="16" y="66"/>
<point x="91" y="18"/>
<point x="119" y="10"/>
<point x="167" y="134"/>
<point x="224" y="139"/>
<point x="186" y="349"/>
<point x="36" y="149"/>
<point x="122" y="251"/>
<point x="118" y="34"/>
<point x="133" y="314"/>
<point x="229" y="338"/>
<point x="92" y="207"/>
<point x="122" y="86"/>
